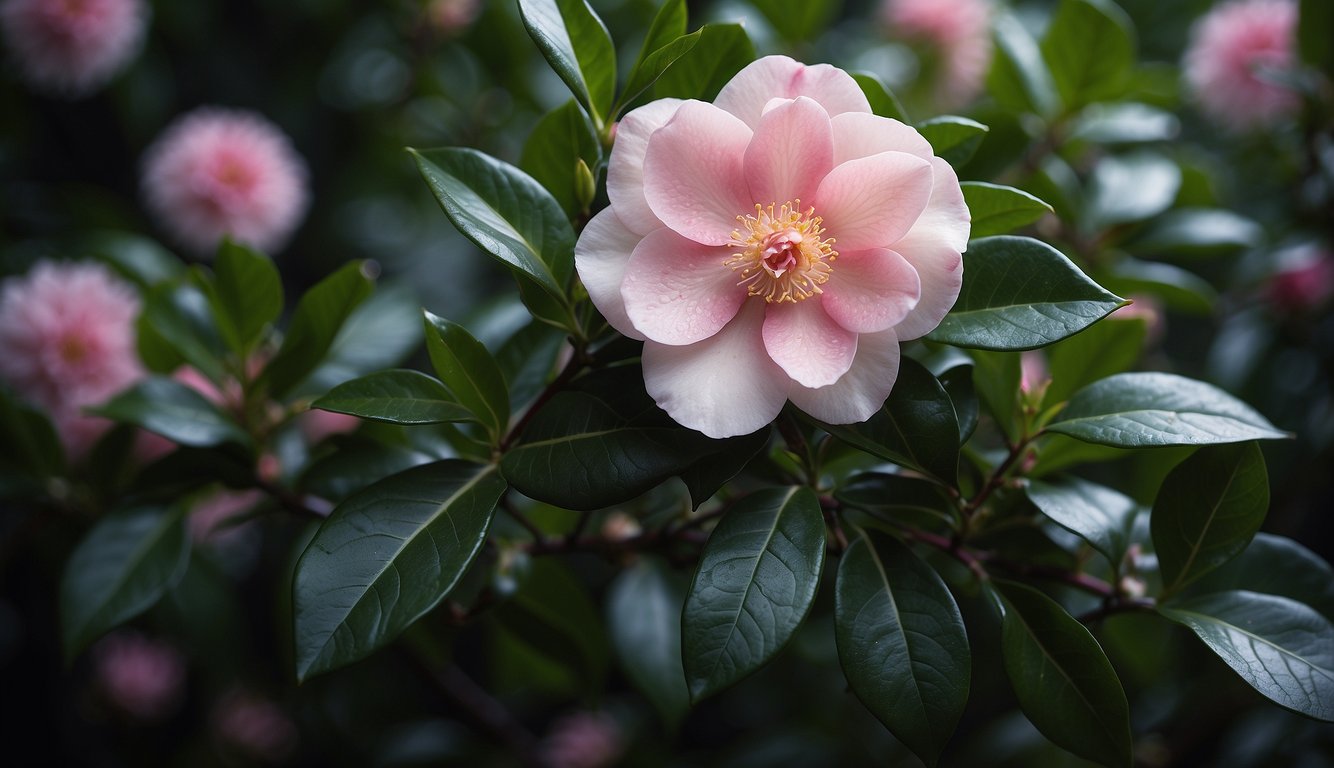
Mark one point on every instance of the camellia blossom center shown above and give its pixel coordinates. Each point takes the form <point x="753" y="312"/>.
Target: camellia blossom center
<point x="782" y="255"/>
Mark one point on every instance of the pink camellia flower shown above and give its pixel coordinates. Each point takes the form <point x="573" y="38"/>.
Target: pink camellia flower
<point x="67" y="331"/>
<point x="958" y="32"/>
<point x="1230" y="49"/>
<point x="217" y="172"/>
<point x="143" y="677"/>
<point x="774" y="245"/>
<point x="71" y="47"/>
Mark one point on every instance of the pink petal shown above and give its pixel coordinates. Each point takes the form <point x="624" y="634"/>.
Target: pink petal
<point x="746" y="94"/>
<point x="625" y="170"/>
<point x="807" y="344"/>
<point x="871" y="291"/>
<point x="791" y="151"/>
<point x="601" y="256"/>
<point x="857" y="134"/>
<point x="677" y="291"/>
<point x="693" y="178"/>
<point x="862" y="390"/>
<point x="873" y="201"/>
<point x="933" y="246"/>
<point x="723" y="386"/>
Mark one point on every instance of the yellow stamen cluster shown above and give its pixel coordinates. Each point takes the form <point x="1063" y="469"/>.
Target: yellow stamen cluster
<point x="782" y="255"/>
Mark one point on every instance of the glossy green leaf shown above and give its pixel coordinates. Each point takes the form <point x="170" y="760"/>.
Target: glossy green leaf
<point x="754" y="585"/>
<point x="654" y="61"/>
<point x="917" y="426"/>
<point x="1019" y="293"/>
<point x="394" y="396"/>
<point x="722" y="50"/>
<point x="577" y="45"/>
<point x="318" y="317"/>
<point x="386" y="556"/>
<point x="1190" y="232"/>
<point x="1019" y="77"/>
<point x="469" y="372"/>
<point x="899" y="498"/>
<point x="644" y="616"/>
<point x="1090" y="51"/>
<point x="996" y="376"/>
<point x="1131" y="187"/>
<point x="1283" y="649"/>
<point x="1137" y="410"/>
<point x="356" y="462"/>
<point x="169" y="408"/>
<point x="901" y="642"/>
<point x="1095" y="513"/>
<point x="1179" y="289"/>
<point x="553" y="615"/>
<point x="1105" y="348"/>
<point x="1207" y="511"/>
<point x="528" y="359"/>
<point x="959" y="385"/>
<point x="668" y="24"/>
<point x="380" y="333"/>
<point x="505" y="212"/>
<point x="953" y="138"/>
<point x="797" y="20"/>
<point x="997" y="210"/>
<point x="883" y="101"/>
<point x="1063" y="680"/>
<point x="551" y="155"/>
<point x="120" y="569"/>
<point x="246" y="294"/>
<point x="727" y="457"/>
<point x="136" y="258"/>
<point x="1275" y="565"/>
<point x="175" y="327"/>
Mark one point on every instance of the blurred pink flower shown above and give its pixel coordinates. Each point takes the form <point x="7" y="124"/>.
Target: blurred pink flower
<point x="142" y="676"/>
<point x="958" y="32"/>
<point x="254" y="726"/>
<point x="211" y="518"/>
<point x="316" y="425"/>
<point x="217" y="172"/>
<point x="1229" y="49"/>
<point x="775" y="245"/>
<point x="450" y="17"/>
<point x="67" y="331"/>
<point x="1303" y="284"/>
<point x="582" y="740"/>
<point x="72" y="47"/>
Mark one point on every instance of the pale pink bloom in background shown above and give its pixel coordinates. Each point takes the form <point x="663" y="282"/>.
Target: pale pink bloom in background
<point x="1304" y="283"/>
<point x="775" y="245"/>
<point x="215" y="517"/>
<point x="449" y="17"/>
<point x="218" y="172"/>
<point x="68" y="340"/>
<point x="254" y="725"/>
<point x="1229" y="49"/>
<point x="583" y="740"/>
<point x="142" y="676"/>
<point x="316" y="424"/>
<point x="958" y="32"/>
<point x="73" y="46"/>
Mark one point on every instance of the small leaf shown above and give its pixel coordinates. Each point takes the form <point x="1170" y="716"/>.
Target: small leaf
<point x="1179" y="289"/>
<point x="755" y="584"/>
<point x="1131" y="187"/>
<point x="898" y="498"/>
<point x="997" y="210"/>
<point x="120" y="569"/>
<point x="707" y="475"/>
<point x="136" y="258"/>
<point x="396" y="397"/>
<point x="1275" y="566"/>
<point x="1095" y="513"/>
<point x="527" y="360"/>
<point x="552" y="153"/>
<point x="1207" y="511"/>
<point x="1189" y="232"/>
<point x="902" y="643"/>
<point x="577" y="45"/>
<point x="1019" y="77"/>
<point x="382" y="331"/>
<point x="996" y="376"/>
<point x="470" y="373"/>
<point x="385" y="557"/>
<point x="318" y="317"/>
<point x="1283" y="649"/>
<point x="644" y="615"/>
<point x="1019" y="293"/>
<point x="651" y="67"/>
<point x="1136" y="410"/>
<point x="883" y="101"/>
<point x="1064" y="683"/>
<point x="959" y="385"/>
<point x="176" y="326"/>
<point x="1106" y="348"/>
<point x="917" y="426"/>
<point x="1090" y="51"/>
<point x="246" y="294"/>
<point x="953" y="138"/>
<point x="169" y="408"/>
<point x="505" y="212"/>
<point x="722" y="50"/>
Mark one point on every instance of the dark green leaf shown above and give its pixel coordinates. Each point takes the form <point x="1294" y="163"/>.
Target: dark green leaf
<point x="1207" y="511"/>
<point x="883" y="101"/>
<point x="644" y="615"/>
<point x="1095" y="513"/>
<point x="318" y="317"/>
<point x="175" y="327"/>
<point x="755" y="584"/>
<point x="997" y="210"/>
<point x="1276" y="566"/>
<point x="1019" y="293"/>
<point x="119" y="570"/>
<point x="1197" y="232"/>
<point x="1179" y="289"/>
<point x="1019" y="77"/>
<point x="1106" y="348"/>
<point x="246" y="294"/>
<point x="797" y="20"/>
<point x="396" y="397"/>
<point x="139" y="259"/>
<point x="576" y="44"/>
<point x="470" y="373"/>
<point x="902" y="642"/>
<point x="954" y="139"/>
<point x="917" y="426"/>
<point x="1090" y="51"/>
<point x="996" y="376"/>
<point x="722" y="50"/>
<point x="668" y="24"/>
<point x="650" y="67"/>
<point x="727" y="458"/>
<point x="1062" y="678"/>
<point x="553" y="615"/>
<point x="1135" y="410"/>
<point x="357" y="462"/>
<point x="169" y="408"/>
<point x="552" y="153"/>
<point x="899" y="498"/>
<point x="1283" y="649"/>
<point x="1131" y="187"/>
<point x="958" y="384"/>
<point x="382" y="331"/>
<point x="527" y="359"/>
<point x="28" y="440"/>
<point x="505" y="212"/>
<point x="385" y="557"/>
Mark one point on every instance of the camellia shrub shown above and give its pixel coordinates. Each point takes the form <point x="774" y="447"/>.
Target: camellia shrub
<point x="750" y="421"/>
